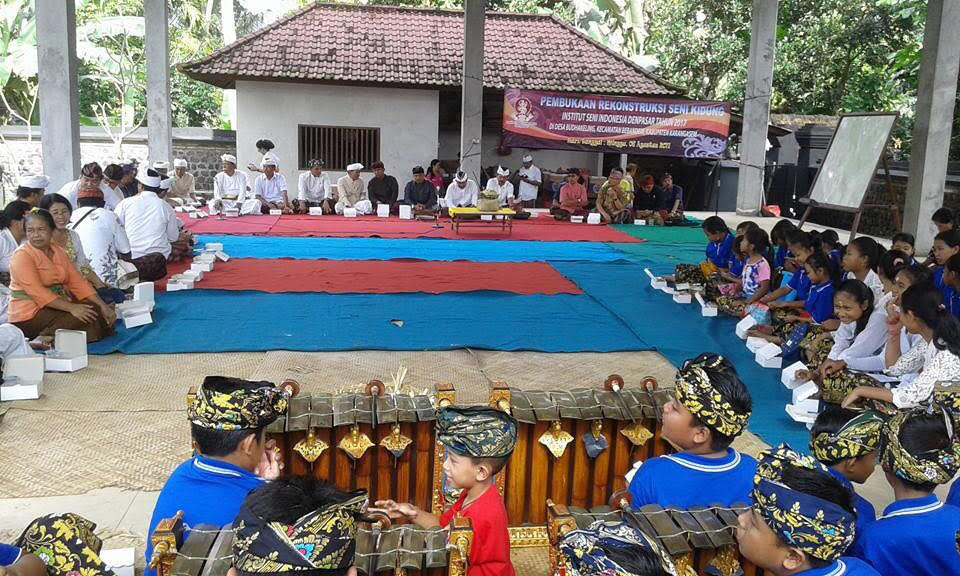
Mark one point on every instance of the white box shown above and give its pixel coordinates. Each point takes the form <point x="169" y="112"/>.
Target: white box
<point x="132" y="305"/>
<point x="220" y="254"/>
<point x="205" y="257"/>
<point x="593" y="218"/>
<point x="771" y="350"/>
<point x="669" y="290"/>
<point x="656" y="282"/>
<point x="754" y="343"/>
<point x="275" y="212"/>
<point x="406" y="212"/>
<point x="348" y="212"/>
<point x="383" y="210"/>
<point x="14" y="389"/>
<point x="143" y="292"/>
<point x="682" y="285"/>
<point x="195" y="214"/>
<point x="707" y="309"/>
<point x="774" y="362"/>
<point x="534" y="214"/>
<point x="639" y="222"/>
<point x="195" y="274"/>
<point x="745" y="324"/>
<point x="137" y="316"/>
<point x="802" y="413"/>
<point x="316" y="210"/>
<point x="213" y="246"/>
<point x="789" y="375"/>
<point x="177" y="285"/>
<point x="182" y="279"/>
<point x="54" y="361"/>
<point x="202" y="266"/>
<point x="120" y="560"/>
<point x="486" y="217"/>
<point x="231" y="213"/>
<point x="805" y="391"/>
<point x="199" y="214"/>
<point x="576" y="219"/>
<point x="682" y="298"/>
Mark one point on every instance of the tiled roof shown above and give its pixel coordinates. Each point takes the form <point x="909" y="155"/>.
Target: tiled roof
<point x="414" y="47"/>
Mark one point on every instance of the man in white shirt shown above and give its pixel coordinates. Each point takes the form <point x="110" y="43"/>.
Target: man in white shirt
<point x="91" y="176"/>
<point x="110" y="186"/>
<point x="271" y="188"/>
<point x="352" y="192"/>
<point x="530" y="179"/>
<point x="31" y="188"/>
<point x="151" y="227"/>
<point x="502" y="186"/>
<point x="461" y="193"/>
<point x="231" y="190"/>
<point x="313" y="189"/>
<point x="183" y="188"/>
<point x="103" y="239"/>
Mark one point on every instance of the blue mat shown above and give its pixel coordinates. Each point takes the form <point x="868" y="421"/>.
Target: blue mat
<point x="229" y="321"/>
<point x="679" y="332"/>
<point x="417" y="248"/>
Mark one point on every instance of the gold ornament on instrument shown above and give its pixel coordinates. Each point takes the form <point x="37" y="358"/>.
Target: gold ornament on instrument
<point x="637" y="433"/>
<point x="725" y="562"/>
<point x="556" y="439"/>
<point x="356" y="443"/>
<point x="395" y="442"/>
<point x="311" y="447"/>
<point x="684" y="565"/>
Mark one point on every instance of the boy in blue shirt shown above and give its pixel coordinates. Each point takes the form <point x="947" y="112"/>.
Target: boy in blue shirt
<point x="711" y="408"/>
<point x="802" y="520"/>
<point x="228" y="420"/>
<point x="845" y="442"/>
<point x="916" y="535"/>
<point x="719" y="254"/>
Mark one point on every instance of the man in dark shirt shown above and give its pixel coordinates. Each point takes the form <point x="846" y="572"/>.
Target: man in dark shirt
<point x="646" y="201"/>
<point x="420" y="194"/>
<point x="382" y="189"/>
<point x="671" y="197"/>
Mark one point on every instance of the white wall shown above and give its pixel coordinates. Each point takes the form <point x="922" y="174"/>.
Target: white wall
<point x="407" y="120"/>
<point x="545" y="159"/>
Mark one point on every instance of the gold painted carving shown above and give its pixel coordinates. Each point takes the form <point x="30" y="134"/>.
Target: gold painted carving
<point x="311" y="447"/>
<point x="556" y="439"/>
<point x="395" y="442"/>
<point x="528" y="536"/>
<point x="356" y="443"/>
<point x="637" y="433"/>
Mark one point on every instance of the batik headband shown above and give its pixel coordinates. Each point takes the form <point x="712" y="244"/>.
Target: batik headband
<point x="476" y="431"/>
<point x="234" y="404"/>
<point x="321" y="540"/>
<point x="820" y="528"/>
<point x="856" y="438"/>
<point x="695" y="391"/>
<point x="584" y="552"/>
<point x="936" y="466"/>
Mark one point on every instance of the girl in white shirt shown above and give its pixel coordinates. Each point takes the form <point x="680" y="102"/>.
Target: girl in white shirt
<point x="859" y="262"/>
<point x="937" y="359"/>
<point x="861" y="333"/>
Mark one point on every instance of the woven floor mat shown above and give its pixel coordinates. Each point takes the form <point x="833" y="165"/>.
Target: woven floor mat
<point x="55" y="453"/>
<point x="531" y="561"/>
<point x="135" y="383"/>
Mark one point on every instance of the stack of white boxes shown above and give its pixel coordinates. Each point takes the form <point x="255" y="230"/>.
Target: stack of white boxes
<point x="202" y="263"/>
<point x="138" y="312"/>
<point x="69" y="352"/>
<point x="22" y="378"/>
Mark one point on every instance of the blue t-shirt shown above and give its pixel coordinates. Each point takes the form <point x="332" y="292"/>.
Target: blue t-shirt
<point x="865" y="512"/>
<point x="736" y="265"/>
<point x="953" y="497"/>
<point x="721" y="253"/>
<point x="819" y="302"/>
<point x="667" y="197"/>
<point x="9" y="555"/>
<point x="915" y="537"/>
<point x="800" y="284"/>
<point x="951" y="297"/>
<point x="836" y="256"/>
<point x="684" y="480"/>
<point x="208" y="491"/>
<point x="845" y="566"/>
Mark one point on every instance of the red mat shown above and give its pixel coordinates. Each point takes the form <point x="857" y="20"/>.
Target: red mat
<point x="544" y="228"/>
<point x="380" y="276"/>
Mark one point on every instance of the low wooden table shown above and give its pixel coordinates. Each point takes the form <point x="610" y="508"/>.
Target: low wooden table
<point x="474" y="217"/>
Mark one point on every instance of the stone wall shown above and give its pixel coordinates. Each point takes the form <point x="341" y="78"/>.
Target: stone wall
<point x="200" y="147"/>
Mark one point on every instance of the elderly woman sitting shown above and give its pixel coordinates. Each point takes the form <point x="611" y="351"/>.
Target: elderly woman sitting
<point x="47" y="292"/>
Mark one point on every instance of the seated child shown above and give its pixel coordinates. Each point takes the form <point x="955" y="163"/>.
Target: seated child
<point x="845" y="442"/>
<point x="832" y="247"/>
<point x="916" y="535"/>
<point x="613" y="549"/>
<point x="719" y="253"/>
<point x="710" y="410"/>
<point x="950" y="285"/>
<point x="228" y="420"/>
<point x="943" y="219"/>
<point x="55" y="545"/>
<point x="755" y="279"/>
<point x="801" y="246"/>
<point x="862" y="333"/>
<point x="936" y="359"/>
<point x="946" y="245"/>
<point x="802" y="520"/>
<point x="859" y="262"/>
<point x="817" y="305"/>
<point x="479" y="442"/>
<point x="905" y="242"/>
<point x="779" y="244"/>
<point x="297" y="525"/>
<point x="733" y="274"/>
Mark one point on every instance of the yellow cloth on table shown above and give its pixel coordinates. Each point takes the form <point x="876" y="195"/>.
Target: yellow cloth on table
<point x="464" y="211"/>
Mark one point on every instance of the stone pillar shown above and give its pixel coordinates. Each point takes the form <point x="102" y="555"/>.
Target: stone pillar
<point x="756" y="107"/>
<point x="57" y="60"/>
<point x="937" y="92"/>
<point x="157" y="44"/>
<point x="471" y="110"/>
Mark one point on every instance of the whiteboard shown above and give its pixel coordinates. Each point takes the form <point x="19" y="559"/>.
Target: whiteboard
<point x="851" y="161"/>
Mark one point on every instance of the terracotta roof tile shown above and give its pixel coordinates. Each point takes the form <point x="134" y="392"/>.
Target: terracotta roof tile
<point x="410" y="46"/>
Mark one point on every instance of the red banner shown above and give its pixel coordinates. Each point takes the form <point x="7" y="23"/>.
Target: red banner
<point x="623" y="125"/>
